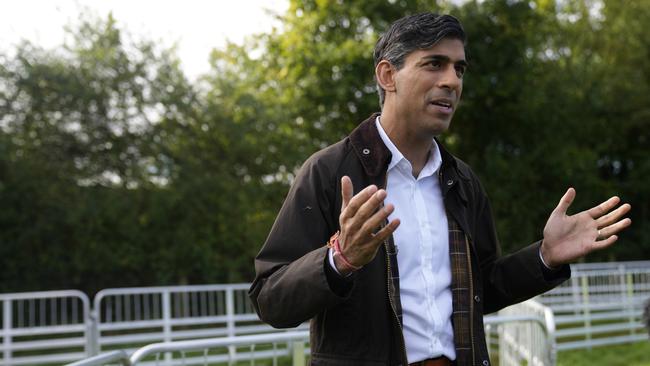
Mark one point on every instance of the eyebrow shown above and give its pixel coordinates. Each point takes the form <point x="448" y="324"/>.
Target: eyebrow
<point x="442" y="58"/>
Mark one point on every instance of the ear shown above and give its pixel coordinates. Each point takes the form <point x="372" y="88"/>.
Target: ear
<point x="385" y="74"/>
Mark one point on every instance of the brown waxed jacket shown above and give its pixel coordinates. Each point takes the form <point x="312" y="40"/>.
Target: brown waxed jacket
<point x="355" y="320"/>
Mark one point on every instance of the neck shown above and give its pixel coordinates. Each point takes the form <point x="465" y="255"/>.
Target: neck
<point x="414" y="146"/>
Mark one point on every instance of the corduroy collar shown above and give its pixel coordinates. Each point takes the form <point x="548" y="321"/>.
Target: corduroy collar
<point x="372" y="152"/>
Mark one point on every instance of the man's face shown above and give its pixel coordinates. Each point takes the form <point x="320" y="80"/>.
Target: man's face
<point x="429" y="85"/>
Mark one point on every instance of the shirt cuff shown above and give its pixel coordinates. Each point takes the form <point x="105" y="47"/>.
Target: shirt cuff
<point x="541" y="258"/>
<point x="330" y="259"/>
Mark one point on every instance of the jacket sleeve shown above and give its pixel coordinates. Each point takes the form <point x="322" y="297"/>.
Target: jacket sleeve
<point x="292" y="282"/>
<point x="511" y="278"/>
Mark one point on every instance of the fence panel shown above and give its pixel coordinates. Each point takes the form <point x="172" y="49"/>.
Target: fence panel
<point x="44" y="327"/>
<point x="128" y="318"/>
<point x="274" y="347"/>
<point x="524" y="335"/>
<point x="600" y="305"/>
<point x="284" y="347"/>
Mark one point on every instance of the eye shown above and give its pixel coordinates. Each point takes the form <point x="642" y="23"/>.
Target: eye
<point x="435" y="64"/>
<point x="460" y="70"/>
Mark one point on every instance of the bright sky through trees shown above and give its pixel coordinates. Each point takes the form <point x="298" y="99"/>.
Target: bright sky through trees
<point x="196" y="25"/>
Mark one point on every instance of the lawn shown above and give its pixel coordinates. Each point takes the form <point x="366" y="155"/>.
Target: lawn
<point x="634" y="354"/>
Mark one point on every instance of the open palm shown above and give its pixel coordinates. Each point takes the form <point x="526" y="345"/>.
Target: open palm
<point x="568" y="238"/>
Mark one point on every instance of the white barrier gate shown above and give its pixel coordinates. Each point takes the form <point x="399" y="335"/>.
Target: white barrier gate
<point x="527" y="343"/>
<point x="129" y="318"/>
<point x="600" y="305"/>
<point x="45" y="327"/>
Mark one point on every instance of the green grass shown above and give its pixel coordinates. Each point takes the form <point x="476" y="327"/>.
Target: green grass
<point x="633" y="354"/>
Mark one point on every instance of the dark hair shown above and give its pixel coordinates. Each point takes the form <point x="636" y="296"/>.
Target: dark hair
<point x="414" y="32"/>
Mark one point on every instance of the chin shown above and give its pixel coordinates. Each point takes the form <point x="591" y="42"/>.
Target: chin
<point x="439" y="127"/>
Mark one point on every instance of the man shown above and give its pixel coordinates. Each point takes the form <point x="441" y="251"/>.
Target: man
<point x="412" y="262"/>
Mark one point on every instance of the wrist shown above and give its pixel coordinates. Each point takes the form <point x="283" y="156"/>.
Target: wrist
<point x="543" y="253"/>
<point x="343" y="265"/>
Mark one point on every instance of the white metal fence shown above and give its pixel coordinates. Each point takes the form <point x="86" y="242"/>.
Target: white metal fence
<point x="132" y="317"/>
<point x="600" y="305"/>
<point x="44" y="327"/>
<point x="290" y="347"/>
<point x="285" y="347"/>
<point x="529" y="343"/>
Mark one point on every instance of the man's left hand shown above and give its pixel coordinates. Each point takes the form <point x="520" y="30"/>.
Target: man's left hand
<point x="568" y="238"/>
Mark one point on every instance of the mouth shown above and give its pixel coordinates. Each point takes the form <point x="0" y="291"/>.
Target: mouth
<point x="444" y="105"/>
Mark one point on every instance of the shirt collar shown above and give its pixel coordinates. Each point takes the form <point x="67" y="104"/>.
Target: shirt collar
<point x="433" y="162"/>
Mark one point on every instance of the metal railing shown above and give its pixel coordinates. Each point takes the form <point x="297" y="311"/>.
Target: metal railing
<point x="600" y="305"/>
<point x="107" y="358"/>
<point x="290" y="345"/>
<point x="531" y="343"/>
<point x="55" y="322"/>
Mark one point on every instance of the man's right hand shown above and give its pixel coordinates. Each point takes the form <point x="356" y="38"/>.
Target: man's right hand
<point x="361" y="216"/>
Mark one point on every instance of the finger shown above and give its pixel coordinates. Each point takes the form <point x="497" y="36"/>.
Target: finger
<point x="355" y="202"/>
<point x="373" y="222"/>
<point x="346" y="191"/>
<point x="611" y="217"/>
<point x="369" y="207"/>
<point x="387" y="230"/>
<point x="565" y="201"/>
<point x="615" y="228"/>
<point x="602" y="244"/>
<point x="603" y="208"/>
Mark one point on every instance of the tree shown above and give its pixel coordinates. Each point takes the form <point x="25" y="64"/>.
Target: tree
<point x="81" y="165"/>
<point x="113" y="166"/>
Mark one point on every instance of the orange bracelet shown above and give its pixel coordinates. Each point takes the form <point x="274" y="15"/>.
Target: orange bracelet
<point x="334" y="244"/>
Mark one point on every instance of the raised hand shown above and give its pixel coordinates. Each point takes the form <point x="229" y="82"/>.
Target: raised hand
<point x="568" y="238"/>
<point x="360" y="218"/>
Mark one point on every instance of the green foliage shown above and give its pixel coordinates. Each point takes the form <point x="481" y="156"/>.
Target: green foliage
<point x="549" y="104"/>
<point x="115" y="170"/>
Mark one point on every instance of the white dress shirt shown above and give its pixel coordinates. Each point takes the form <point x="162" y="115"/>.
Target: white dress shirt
<point x="422" y="242"/>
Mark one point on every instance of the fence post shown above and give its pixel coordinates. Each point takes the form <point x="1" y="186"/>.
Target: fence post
<point x="167" y="322"/>
<point x="230" y="323"/>
<point x="6" y="331"/>
<point x="549" y="320"/>
<point x="92" y="348"/>
<point x="298" y="353"/>
<point x="575" y="291"/>
<point x="585" y="303"/>
<point x="631" y="305"/>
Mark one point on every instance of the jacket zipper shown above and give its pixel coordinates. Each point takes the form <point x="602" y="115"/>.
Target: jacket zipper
<point x="471" y="300"/>
<point x="392" y="304"/>
<point x="388" y="287"/>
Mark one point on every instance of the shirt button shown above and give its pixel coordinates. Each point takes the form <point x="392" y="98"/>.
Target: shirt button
<point x="366" y="151"/>
<point x="486" y="363"/>
<point x="450" y="182"/>
<point x="477" y="298"/>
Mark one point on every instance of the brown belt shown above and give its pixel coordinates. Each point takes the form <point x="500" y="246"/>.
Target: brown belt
<point x="438" y="361"/>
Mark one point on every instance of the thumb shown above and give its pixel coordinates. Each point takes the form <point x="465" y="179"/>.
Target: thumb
<point x="565" y="201"/>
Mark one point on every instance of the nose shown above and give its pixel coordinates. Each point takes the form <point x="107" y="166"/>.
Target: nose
<point x="449" y="78"/>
